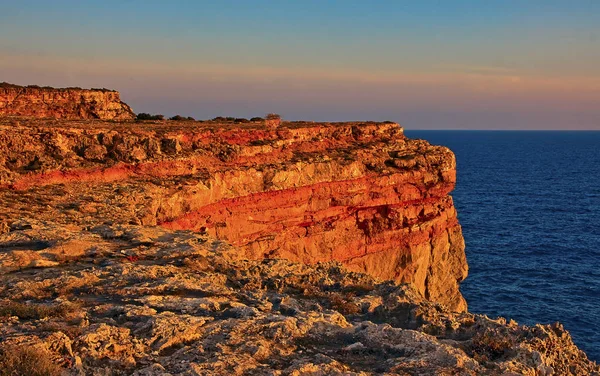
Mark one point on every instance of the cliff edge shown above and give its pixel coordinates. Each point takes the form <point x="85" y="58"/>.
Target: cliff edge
<point x="359" y="193"/>
<point x="214" y="248"/>
<point x="67" y="103"/>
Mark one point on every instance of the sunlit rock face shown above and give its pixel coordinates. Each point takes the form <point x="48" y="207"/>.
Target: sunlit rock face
<point x="170" y="247"/>
<point x="69" y="103"/>
<point x="359" y="193"/>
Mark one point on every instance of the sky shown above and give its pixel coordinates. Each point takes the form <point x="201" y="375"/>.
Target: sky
<point x="425" y="64"/>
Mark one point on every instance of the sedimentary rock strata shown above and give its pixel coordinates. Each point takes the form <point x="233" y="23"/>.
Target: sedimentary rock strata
<point x="188" y="248"/>
<point x="68" y="103"/>
<point x="358" y="193"/>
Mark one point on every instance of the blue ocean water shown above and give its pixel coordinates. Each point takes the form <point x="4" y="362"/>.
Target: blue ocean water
<point x="529" y="205"/>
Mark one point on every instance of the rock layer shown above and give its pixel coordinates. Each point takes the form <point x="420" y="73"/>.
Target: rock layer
<point x="68" y="103"/>
<point x="157" y="249"/>
<point x="359" y="193"/>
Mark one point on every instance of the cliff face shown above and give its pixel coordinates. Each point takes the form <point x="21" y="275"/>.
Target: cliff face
<point x="361" y="194"/>
<point x="69" y="103"/>
<point x="140" y="249"/>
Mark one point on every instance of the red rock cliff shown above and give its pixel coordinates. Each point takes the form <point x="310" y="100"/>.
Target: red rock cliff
<point x="359" y="193"/>
<point x="69" y="103"/>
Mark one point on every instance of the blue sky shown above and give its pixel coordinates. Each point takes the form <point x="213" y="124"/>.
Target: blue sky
<point x="429" y="64"/>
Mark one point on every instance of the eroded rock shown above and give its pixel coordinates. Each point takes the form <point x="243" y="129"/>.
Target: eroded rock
<point x="359" y="193"/>
<point x="69" y="103"/>
<point x="213" y="249"/>
<point x="163" y="314"/>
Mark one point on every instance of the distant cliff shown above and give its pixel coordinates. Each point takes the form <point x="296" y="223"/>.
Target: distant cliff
<point x="68" y="103"/>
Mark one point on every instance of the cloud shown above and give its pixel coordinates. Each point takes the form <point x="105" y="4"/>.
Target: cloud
<point x="478" y="69"/>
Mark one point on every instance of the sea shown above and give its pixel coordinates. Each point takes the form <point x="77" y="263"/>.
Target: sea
<point x="529" y="206"/>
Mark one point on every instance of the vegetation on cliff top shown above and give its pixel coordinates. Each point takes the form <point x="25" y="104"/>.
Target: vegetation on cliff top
<point x="145" y="116"/>
<point x="219" y="119"/>
<point x="6" y="85"/>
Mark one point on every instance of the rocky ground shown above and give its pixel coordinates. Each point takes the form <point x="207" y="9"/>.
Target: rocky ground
<point x="125" y="299"/>
<point x="92" y="283"/>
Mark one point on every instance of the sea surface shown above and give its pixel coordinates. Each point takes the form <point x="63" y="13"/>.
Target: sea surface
<point x="529" y="206"/>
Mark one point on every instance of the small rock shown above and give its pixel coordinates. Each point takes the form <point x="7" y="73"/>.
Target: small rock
<point x="354" y="347"/>
<point x="43" y="263"/>
<point x="95" y="152"/>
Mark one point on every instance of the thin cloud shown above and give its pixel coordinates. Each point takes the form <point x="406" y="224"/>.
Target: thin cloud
<point x="488" y="80"/>
<point x="479" y="69"/>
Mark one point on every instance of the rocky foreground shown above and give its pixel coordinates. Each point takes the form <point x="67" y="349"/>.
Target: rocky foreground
<point x="119" y="300"/>
<point x="189" y="248"/>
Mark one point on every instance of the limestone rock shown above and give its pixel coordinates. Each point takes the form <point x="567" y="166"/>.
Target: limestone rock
<point x="214" y="249"/>
<point x="359" y="193"/>
<point x="162" y="314"/>
<point x="69" y="103"/>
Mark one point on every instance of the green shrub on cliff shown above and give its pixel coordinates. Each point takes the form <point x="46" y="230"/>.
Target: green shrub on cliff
<point x="145" y="116"/>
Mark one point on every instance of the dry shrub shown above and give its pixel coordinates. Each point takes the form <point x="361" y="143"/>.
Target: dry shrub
<point x="491" y="345"/>
<point x="36" y="311"/>
<point x="343" y="304"/>
<point x="361" y="288"/>
<point x="70" y="329"/>
<point x="26" y="360"/>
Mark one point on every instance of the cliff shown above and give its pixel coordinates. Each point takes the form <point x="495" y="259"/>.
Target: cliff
<point x="188" y="248"/>
<point x="358" y="193"/>
<point x="68" y="103"/>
